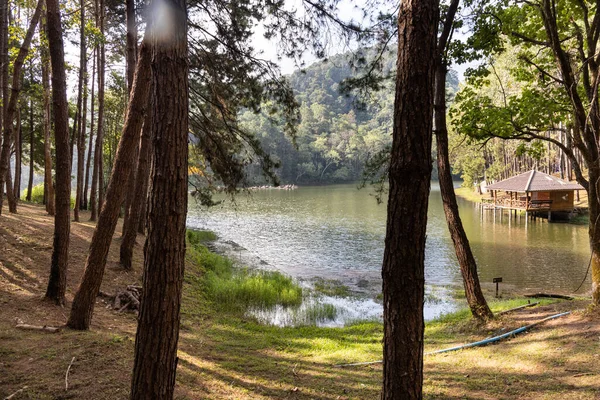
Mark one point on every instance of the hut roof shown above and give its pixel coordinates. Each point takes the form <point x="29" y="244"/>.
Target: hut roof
<point x="534" y="181"/>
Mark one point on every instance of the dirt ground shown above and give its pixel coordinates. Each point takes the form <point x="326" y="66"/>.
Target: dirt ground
<point x="223" y="358"/>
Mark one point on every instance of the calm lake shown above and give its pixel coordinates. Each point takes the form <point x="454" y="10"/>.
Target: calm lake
<point x="337" y="233"/>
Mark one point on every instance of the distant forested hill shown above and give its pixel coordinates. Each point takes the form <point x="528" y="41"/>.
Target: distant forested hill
<point x="335" y="138"/>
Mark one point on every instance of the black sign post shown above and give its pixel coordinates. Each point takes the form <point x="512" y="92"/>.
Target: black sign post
<point x="497" y="281"/>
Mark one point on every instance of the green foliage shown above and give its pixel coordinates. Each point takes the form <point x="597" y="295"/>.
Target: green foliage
<point x="337" y="139"/>
<point x="37" y="194"/>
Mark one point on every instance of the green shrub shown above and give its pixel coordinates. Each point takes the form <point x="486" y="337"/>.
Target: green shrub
<point x="37" y="195"/>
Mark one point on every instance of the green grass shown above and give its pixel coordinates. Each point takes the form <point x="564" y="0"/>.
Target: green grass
<point x="468" y="194"/>
<point x="197" y="237"/>
<point x="237" y="289"/>
<point x="330" y="287"/>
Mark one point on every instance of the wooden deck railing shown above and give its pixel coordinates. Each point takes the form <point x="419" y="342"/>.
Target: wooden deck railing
<point x="520" y="203"/>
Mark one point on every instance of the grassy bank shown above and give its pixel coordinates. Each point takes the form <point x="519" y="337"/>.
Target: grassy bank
<point x="224" y="354"/>
<point x="468" y="194"/>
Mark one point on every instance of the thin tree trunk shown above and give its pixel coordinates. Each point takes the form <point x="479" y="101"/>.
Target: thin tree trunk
<point x="91" y="142"/>
<point x="31" y="151"/>
<point x="85" y="298"/>
<point x="11" y="108"/>
<point x="3" y="73"/>
<point x="466" y="260"/>
<point x="164" y="258"/>
<point x="101" y="122"/>
<point x="18" y="155"/>
<point x="130" y="226"/>
<point x="60" y="252"/>
<point x="94" y="190"/>
<point x="131" y="60"/>
<point x="82" y="108"/>
<point x="48" y="184"/>
<point x="409" y="178"/>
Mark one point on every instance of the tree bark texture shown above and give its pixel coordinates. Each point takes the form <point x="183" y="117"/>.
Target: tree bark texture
<point x="130" y="226"/>
<point x="60" y="252"/>
<point x="466" y="260"/>
<point x="94" y="189"/>
<point x="11" y="109"/>
<point x="131" y="52"/>
<point x="101" y="122"/>
<point x="91" y="142"/>
<point x="18" y="154"/>
<point x="155" y="362"/>
<point x="85" y="298"/>
<point x="82" y="107"/>
<point x="31" y="151"/>
<point x="409" y="178"/>
<point x="48" y="184"/>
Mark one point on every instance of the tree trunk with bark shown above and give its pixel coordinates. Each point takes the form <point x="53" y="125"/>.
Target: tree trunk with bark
<point x="101" y="84"/>
<point x="18" y="155"/>
<point x="91" y="142"/>
<point x="131" y="52"/>
<point x="85" y="298"/>
<point x="48" y="184"/>
<point x="164" y="258"/>
<point x="409" y="178"/>
<point x="466" y="260"/>
<point x="130" y="226"/>
<point x="31" y="151"/>
<point x="60" y="252"/>
<point x="82" y="107"/>
<point x="11" y="108"/>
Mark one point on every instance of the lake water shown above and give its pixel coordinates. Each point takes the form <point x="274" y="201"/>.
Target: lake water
<point x="337" y="232"/>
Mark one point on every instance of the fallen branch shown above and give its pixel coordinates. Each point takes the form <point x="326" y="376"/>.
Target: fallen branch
<point x="45" y="328"/>
<point x="518" y="308"/>
<point x="550" y="295"/>
<point x="67" y="374"/>
<point x="15" y="393"/>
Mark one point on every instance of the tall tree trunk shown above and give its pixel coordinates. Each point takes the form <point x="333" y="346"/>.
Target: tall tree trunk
<point x="131" y="60"/>
<point x="11" y="108"/>
<point x="130" y="226"/>
<point x="85" y="298"/>
<point x="31" y="151"/>
<point x="91" y="142"/>
<point x="3" y="73"/>
<point x="164" y="258"/>
<point x="94" y="205"/>
<point x="466" y="261"/>
<point x="60" y="252"/>
<point x="101" y="122"/>
<point x="409" y="178"/>
<point x="82" y="108"/>
<point x="48" y="184"/>
<point x="18" y="155"/>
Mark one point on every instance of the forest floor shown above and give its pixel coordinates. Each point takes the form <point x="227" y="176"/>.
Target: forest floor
<point x="225" y="356"/>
